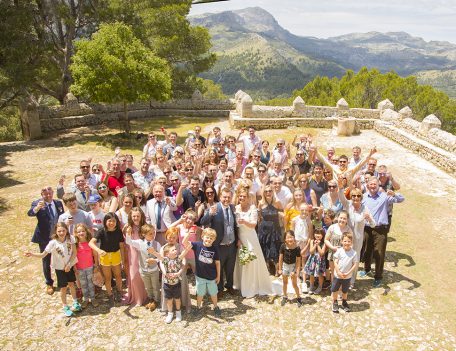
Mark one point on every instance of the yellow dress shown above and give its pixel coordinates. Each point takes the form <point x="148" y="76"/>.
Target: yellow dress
<point x="289" y="214"/>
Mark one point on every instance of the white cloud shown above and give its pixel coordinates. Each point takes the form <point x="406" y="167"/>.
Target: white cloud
<point x="431" y="20"/>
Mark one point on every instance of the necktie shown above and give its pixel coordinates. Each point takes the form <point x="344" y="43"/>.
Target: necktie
<point x="51" y="212"/>
<point x="158" y="215"/>
<point x="83" y="195"/>
<point x="227" y="214"/>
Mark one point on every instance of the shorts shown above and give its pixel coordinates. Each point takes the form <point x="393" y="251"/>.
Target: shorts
<point x="63" y="278"/>
<point x="205" y="285"/>
<point x="288" y="268"/>
<point x="337" y="283"/>
<point x="172" y="291"/>
<point x="111" y="259"/>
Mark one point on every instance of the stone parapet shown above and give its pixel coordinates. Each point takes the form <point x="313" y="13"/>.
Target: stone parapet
<point x="437" y="155"/>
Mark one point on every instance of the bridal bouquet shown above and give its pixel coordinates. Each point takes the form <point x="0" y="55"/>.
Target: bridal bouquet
<point x="245" y="255"/>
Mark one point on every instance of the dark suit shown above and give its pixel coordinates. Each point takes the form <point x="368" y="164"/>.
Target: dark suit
<point x="227" y="252"/>
<point x="43" y="231"/>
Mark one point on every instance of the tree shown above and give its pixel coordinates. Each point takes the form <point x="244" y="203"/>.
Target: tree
<point x="115" y="67"/>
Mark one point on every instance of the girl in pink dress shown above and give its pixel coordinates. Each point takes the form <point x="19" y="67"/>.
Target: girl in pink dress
<point x="137" y="294"/>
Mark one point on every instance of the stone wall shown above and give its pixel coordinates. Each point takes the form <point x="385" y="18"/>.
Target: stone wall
<point x="74" y="114"/>
<point x="440" y="157"/>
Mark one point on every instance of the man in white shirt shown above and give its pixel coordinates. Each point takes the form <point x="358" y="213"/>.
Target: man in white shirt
<point x="144" y="177"/>
<point x="251" y="142"/>
<point x="282" y="192"/>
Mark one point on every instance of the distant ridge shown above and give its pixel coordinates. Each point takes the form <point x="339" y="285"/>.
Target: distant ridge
<point x="257" y="55"/>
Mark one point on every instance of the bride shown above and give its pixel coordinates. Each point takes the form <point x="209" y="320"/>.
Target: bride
<point x="252" y="278"/>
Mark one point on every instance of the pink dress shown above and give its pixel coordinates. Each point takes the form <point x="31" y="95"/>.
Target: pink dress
<point x="137" y="294"/>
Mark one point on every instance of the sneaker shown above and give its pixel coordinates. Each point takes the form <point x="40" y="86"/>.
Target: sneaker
<point x="117" y="296"/>
<point x="305" y="290"/>
<point x="377" y="283"/>
<point x="217" y="312"/>
<point x="335" y="307"/>
<point x="326" y="284"/>
<point x="284" y="301"/>
<point x="363" y="274"/>
<point x="111" y="300"/>
<point x="76" y="307"/>
<point x="169" y="317"/>
<point x="84" y="304"/>
<point x="299" y="302"/>
<point x="312" y="290"/>
<point x="197" y="311"/>
<point x="317" y="290"/>
<point x="345" y="306"/>
<point x="94" y="302"/>
<point x="67" y="311"/>
<point x="178" y="316"/>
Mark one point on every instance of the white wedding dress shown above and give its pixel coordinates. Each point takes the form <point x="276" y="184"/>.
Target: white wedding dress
<point x="253" y="278"/>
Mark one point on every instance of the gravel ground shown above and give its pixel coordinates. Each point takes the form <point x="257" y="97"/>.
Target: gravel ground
<point x="404" y="314"/>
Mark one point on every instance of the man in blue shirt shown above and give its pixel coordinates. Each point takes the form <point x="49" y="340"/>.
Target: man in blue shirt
<point x="376" y="238"/>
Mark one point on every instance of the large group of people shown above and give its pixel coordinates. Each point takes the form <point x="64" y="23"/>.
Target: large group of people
<point x="228" y="214"/>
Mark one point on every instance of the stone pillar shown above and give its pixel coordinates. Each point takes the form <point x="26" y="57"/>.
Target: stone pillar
<point x="246" y="107"/>
<point x="342" y="108"/>
<point x="405" y="112"/>
<point x="385" y="104"/>
<point x="299" y="106"/>
<point x="430" y="122"/>
<point x="30" y="121"/>
<point x="197" y="96"/>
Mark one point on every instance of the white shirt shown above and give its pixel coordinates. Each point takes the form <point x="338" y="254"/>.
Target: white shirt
<point x="346" y="260"/>
<point x="284" y="196"/>
<point x="61" y="252"/>
<point x="250" y="144"/>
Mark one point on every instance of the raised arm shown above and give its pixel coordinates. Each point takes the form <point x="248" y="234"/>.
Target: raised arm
<point x="361" y="164"/>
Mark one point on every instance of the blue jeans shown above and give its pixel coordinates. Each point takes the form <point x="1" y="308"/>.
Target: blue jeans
<point x="85" y="279"/>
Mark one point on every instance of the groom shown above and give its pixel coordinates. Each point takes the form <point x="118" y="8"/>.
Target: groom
<point x="221" y="218"/>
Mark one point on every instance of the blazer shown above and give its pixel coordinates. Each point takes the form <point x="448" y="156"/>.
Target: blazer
<point x="45" y="225"/>
<point x="217" y="222"/>
<point x="167" y="213"/>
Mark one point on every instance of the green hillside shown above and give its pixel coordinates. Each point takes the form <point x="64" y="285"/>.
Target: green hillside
<point x="441" y="80"/>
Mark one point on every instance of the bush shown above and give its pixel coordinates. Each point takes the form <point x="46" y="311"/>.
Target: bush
<point x="10" y="124"/>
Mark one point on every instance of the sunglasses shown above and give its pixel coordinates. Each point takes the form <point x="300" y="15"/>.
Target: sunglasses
<point x="261" y="171"/>
<point x="332" y="187"/>
<point x="85" y="167"/>
<point x="95" y="170"/>
<point x="342" y="161"/>
<point x="299" y="154"/>
<point x="209" y="193"/>
<point x="256" y="156"/>
<point x="356" y="196"/>
<point x="102" y="187"/>
<point x="267" y="191"/>
<point x="138" y="196"/>
<point x="279" y="144"/>
<point x="151" y="136"/>
<point x="372" y="164"/>
<point x="174" y="180"/>
<point x="189" y="169"/>
<point x="167" y="172"/>
<point x="197" y="144"/>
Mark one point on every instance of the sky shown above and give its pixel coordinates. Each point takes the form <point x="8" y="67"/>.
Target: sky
<point x="428" y="19"/>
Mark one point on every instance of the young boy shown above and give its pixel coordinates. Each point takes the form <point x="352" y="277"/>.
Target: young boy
<point x="74" y="215"/>
<point x="172" y="268"/>
<point x="148" y="267"/>
<point x="345" y="262"/>
<point x="207" y="263"/>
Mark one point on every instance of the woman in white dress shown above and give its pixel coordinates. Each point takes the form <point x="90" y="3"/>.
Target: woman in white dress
<point x="252" y="278"/>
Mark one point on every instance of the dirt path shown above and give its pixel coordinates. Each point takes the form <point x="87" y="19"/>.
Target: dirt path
<point x="414" y="311"/>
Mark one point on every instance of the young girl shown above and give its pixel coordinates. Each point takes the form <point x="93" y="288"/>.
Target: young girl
<point x="85" y="266"/>
<point x="137" y="294"/>
<point x="171" y="237"/>
<point x="124" y="211"/>
<point x="316" y="264"/>
<point x="186" y="225"/>
<point x="333" y="237"/>
<point x="63" y="253"/>
<point x="303" y="229"/>
<point x="290" y="265"/>
<point x="148" y="268"/>
<point x="111" y="252"/>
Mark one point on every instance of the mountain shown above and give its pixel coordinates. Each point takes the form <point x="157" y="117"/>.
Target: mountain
<point x="259" y="56"/>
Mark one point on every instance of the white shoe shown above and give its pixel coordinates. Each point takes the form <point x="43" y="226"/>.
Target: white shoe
<point x="169" y="317"/>
<point x="178" y="316"/>
<point x="317" y="290"/>
<point x="304" y="287"/>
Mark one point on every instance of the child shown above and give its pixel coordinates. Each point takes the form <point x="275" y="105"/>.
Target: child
<point x="96" y="213"/>
<point x="148" y="267"/>
<point x="345" y="262"/>
<point x="303" y="229"/>
<point x="111" y="252"/>
<point x="85" y="265"/>
<point x="290" y="265"/>
<point x="316" y="264"/>
<point x="74" y="215"/>
<point x="63" y="252"/>
<point x="186" y="225"/>
<point x="172" y="267"/>
<point x="333" y="237"/>
<point x="207" y="263"/>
